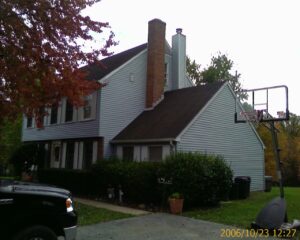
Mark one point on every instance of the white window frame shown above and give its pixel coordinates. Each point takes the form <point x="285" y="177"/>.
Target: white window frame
<point x="92" y="100"/>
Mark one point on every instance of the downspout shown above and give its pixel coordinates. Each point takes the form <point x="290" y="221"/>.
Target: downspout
<point x="173" y="147"/>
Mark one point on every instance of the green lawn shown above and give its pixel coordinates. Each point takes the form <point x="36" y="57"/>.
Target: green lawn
<point x="91" y="215"/>
<point x="7" y="178"/>
<point x="241" y="213"/>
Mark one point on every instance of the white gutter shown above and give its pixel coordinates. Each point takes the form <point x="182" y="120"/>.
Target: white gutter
<point x="143" y="140"/>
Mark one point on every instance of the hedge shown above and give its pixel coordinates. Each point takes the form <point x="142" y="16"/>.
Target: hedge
<point x="26" y="155"/>
<point x="202" y="179"/>
<point x="138" y="181"/>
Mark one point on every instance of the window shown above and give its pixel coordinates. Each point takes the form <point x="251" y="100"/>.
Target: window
<point x="155" y="153"/>
<point x="87" y="154"/>
<point x="56" y="153"/>
<point x="70" y="155"/>
<point x="53" y="118"/>
<point x="127" y="153"/>
<point x="87" y="109"/>
<point x="29" y="122"/>
<point x="166" y="74"/>
<point x="69" y="112"/>
<point x="39" y="120"/>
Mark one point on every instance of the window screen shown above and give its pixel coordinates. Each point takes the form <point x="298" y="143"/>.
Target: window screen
<point x="128" y="153"/>
<point x="155" y="153"/>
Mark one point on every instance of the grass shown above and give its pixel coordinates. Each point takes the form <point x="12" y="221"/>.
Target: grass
<point x="7" y="178"/>
<point x="241" y="213"/>
<point x="90" y="215"/>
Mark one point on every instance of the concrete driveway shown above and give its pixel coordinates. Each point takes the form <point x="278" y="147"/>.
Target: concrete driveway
<point x="157" y="226"/>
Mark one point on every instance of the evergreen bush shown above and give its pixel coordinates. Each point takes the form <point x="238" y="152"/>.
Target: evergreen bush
<point x="202" y="179"/>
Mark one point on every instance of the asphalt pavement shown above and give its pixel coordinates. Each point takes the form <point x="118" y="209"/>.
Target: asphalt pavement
<point x="161" y="226"/>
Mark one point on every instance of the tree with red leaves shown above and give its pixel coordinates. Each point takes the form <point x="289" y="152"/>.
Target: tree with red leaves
<point x="41" y="51"/>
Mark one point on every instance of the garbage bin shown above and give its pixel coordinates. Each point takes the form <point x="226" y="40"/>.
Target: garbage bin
<point x="268" y="183"/>
<point x="234" y="191"/>
<point x="243" y="186"/>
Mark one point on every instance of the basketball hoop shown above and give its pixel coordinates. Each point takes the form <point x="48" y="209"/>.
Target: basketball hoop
<point x="254" y="116"/>
<point x="263" y="105"/>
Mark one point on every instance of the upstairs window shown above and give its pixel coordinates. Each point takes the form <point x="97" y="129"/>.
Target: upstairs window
<point x="29" y="122"/>
<point x="54" y="113"/>
<point x="166" y="74"/>
<point x="87" y="109"/>
<point x="69" y="112"/>
<point x="39" y="120"/>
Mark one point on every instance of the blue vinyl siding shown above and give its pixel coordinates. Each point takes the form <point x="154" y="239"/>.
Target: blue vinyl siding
<point x="123" y="98"/>
<point x="76" y="129"/>
<point x="215" y="132"/>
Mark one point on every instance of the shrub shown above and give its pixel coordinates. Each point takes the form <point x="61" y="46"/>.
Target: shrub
<point x="77" y="181"/>
<point x="138" y="180"/>
<point x="30" y="153"/>
<point x="202" y="179"/>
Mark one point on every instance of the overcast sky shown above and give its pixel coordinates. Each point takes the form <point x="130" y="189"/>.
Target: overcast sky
<point x="262" y="37"/>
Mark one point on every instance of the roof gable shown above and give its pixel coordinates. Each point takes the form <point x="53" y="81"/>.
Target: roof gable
<point x="170" y="116"/>
<point x="97" y="71"/>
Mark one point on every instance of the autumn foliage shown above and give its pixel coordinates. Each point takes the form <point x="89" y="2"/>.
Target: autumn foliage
<point x="289" y="143"/>
<point x="41" y="51"/>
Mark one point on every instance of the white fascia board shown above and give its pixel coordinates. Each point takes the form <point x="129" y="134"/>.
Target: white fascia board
<point x="105" y="79"/>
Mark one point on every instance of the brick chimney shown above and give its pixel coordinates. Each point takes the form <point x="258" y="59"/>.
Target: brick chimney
<point x="155" y="62"/>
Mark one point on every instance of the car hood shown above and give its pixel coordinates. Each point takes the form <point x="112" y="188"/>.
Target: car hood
<point x="34" y="188"/>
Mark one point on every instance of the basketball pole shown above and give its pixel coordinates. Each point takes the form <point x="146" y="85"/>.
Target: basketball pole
<point x="277" y="157"/>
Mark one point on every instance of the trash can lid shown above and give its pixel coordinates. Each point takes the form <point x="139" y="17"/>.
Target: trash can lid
<point x="242" y="179"/>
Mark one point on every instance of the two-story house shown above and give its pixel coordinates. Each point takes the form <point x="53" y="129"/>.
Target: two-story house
<point x="148" y="109"/>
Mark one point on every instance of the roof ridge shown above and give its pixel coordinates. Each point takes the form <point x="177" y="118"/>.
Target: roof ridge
<point x="127" y="50"/>
<point x="197" y="86"/>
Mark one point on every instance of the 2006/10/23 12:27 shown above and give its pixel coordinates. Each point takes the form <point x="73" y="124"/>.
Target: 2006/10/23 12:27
<point x="257" y="233"/>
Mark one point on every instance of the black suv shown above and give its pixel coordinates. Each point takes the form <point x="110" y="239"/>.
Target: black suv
<point x="30" y="211"/>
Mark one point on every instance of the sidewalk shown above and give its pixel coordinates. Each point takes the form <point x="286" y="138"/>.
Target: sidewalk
<point x="111" y="207"/>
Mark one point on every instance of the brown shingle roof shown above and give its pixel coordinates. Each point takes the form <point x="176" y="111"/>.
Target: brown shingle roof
<point x="98" y="71"/>
<point x="170" y="116"/>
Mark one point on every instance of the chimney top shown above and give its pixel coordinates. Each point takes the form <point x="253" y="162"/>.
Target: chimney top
<point x="178" y="30"/>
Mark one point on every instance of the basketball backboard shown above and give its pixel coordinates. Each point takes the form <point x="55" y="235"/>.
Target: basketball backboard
<point x="263" y="105"/>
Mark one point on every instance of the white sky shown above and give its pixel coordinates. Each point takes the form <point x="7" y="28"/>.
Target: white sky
<point x="262" y="37"/>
